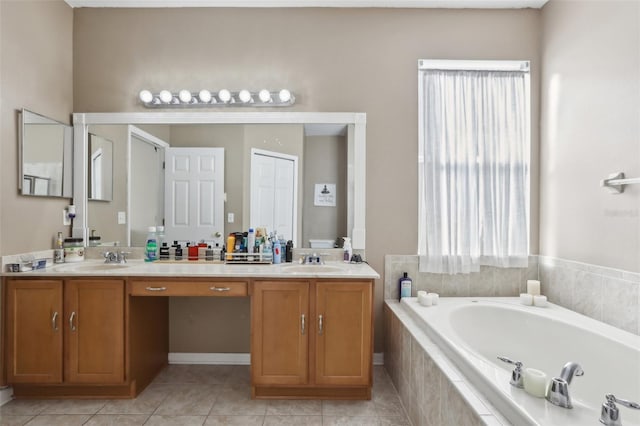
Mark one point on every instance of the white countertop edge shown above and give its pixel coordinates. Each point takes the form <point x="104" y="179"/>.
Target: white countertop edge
<point x="137" y="268"/>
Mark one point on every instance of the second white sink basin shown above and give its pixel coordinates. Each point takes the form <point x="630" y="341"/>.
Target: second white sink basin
<point x="312" y="269"/>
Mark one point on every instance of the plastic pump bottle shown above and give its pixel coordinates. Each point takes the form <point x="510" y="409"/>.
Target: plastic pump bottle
<point x="277" y="251"/>
<point x="348" y="251"/>
<point x="151" y="248"/>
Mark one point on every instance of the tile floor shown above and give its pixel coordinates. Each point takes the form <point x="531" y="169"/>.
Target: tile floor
<point x="188" y="395"/>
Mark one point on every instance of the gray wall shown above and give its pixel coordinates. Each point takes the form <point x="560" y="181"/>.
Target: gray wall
<point x="35" y="73"/>
<point x="590" y="127"/>
<point x="358" y="60"/>
<point x="325" y="161"/>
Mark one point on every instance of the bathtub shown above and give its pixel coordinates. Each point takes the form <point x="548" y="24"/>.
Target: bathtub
<point x="473" y="331"/>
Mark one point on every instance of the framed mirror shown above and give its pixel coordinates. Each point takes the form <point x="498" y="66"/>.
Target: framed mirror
<point x="323" y="142"/>
<point x="100" y="172"/>
<point x="45" y="156"/>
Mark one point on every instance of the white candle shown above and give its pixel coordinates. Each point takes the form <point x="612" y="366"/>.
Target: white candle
<point x="526" y="299"/>
<point x="533" y="287"/>
<point x="435" y="298"/>
<point x="422" y="293"/>
<point x="540" y="301"/>
<point x="535" y="382"/>
<point x="425" y="300"/>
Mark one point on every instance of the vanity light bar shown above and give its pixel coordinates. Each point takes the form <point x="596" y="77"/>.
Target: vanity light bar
<point x="223" y="98"/>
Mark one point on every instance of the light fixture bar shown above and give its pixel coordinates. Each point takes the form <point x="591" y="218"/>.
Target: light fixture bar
<point x="222" y="98"/>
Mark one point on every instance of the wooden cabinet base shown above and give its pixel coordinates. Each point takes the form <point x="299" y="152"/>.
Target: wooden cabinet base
<point x="282" y="392"/>
<point x="119" y="391"/>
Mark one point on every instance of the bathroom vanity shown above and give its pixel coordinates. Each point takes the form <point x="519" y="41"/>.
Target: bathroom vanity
<point x="98" y="330"/>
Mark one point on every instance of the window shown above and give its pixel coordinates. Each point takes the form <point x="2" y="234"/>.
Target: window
<point x="474" y="139"/>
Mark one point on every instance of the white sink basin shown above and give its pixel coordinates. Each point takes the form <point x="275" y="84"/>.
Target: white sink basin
<point x="312" y="269"/>
<point x="92" y="267"/>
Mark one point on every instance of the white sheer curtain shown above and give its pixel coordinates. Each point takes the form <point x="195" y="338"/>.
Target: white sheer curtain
<point x="473" y="170"/>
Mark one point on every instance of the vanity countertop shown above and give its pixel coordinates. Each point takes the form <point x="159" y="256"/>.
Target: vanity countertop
<point x="139" y="268"/>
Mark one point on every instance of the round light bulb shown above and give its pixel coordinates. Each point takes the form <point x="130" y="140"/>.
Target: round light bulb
<point x="166" y="96"/>
<point x="245" y="96"/>
<point x="204" y="96"/>
<point x="185" y="96"/>
<point x="224" y="95"/>
<point x="284" y="95"/>
<point x="264" y="95"/>
<point x="146" y="96"/>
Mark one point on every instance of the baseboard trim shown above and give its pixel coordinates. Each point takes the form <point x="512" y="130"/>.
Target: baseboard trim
<point x="209" y="358"/>
<point x="378" y="358"/>
<point x="6" y="395"/>
<point x="230" y="358"/>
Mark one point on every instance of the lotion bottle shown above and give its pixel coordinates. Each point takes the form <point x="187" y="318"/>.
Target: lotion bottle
<point x="405" y="285"/>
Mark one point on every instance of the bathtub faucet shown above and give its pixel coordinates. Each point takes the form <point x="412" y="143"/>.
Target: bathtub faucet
<point x="516" y="374"/>
<point x="610" y="416"/>
<point x="558" y="393"/>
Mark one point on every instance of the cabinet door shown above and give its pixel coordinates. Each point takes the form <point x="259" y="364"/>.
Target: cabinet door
<point x="279" y="333"/>
<point x="94" y="326"/>
<point x="344" y="333"/>
<point x="34" y="331"/>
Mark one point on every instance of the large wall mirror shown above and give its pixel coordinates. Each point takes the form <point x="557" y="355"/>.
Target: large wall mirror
<point x="268" y="167"/>
<point x="100" y="168"/>
<point x="45" y="156"/>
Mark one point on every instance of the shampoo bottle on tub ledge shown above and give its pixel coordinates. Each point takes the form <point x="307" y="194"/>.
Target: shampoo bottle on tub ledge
<point x="405" y="285"/>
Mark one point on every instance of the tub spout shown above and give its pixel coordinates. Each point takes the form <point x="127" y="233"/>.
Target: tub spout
<point x="570" y="370"/>
<point x="558" y="393"/>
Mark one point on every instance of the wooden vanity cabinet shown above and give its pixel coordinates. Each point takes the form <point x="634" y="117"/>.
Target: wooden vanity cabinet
<point x="65" y="332"/>
<point x="34" y="331"/>
<point x="312" y="339"/>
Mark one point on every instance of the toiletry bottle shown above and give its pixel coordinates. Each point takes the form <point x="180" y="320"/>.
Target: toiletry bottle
<point x="58" y="250"/>
<point x="251" y="241"/>
<point x="151" y="248"/>
<point x="277" y="252"/>
<point x="405" y="285"/>
<point x="231" y="242"/>
<point x="266" y="250"/>
<point x="160" y="235"/>
<point x="193" y="251"/>
<point x="164" y="251"/>
<point x="208" y="254"/>
<point x="289" y="255"/>
<point x="178" y="252"/>
<point x="348" y="251"/>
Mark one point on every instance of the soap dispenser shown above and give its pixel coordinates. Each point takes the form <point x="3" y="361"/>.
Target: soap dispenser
<point x="348" y="251"/>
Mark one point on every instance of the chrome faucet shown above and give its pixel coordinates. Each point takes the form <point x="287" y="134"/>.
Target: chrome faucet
<point x="115" y="257"/>
<point x="516" y="374"/>
<point x="314" y="259"/>
<point x="558" y="393"/>
<point x="610" y="414"/>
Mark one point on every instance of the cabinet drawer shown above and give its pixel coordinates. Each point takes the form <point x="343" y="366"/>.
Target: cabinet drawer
<point x="189" y="288"/>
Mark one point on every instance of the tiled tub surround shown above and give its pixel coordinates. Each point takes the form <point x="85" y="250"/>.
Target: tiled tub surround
<point x="605" y="294"/>
<point x="490" y="281"/>
<point x="432" y="389"/>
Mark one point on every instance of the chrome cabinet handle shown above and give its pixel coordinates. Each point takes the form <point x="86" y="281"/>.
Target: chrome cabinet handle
<point x="302" y="323"/>
<point x="54" y="321"/>
<point x="320" y="325"/>
<point x="156" y="288"/>
<point x="71" y="326"/>
<point x="214" y="288"/>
